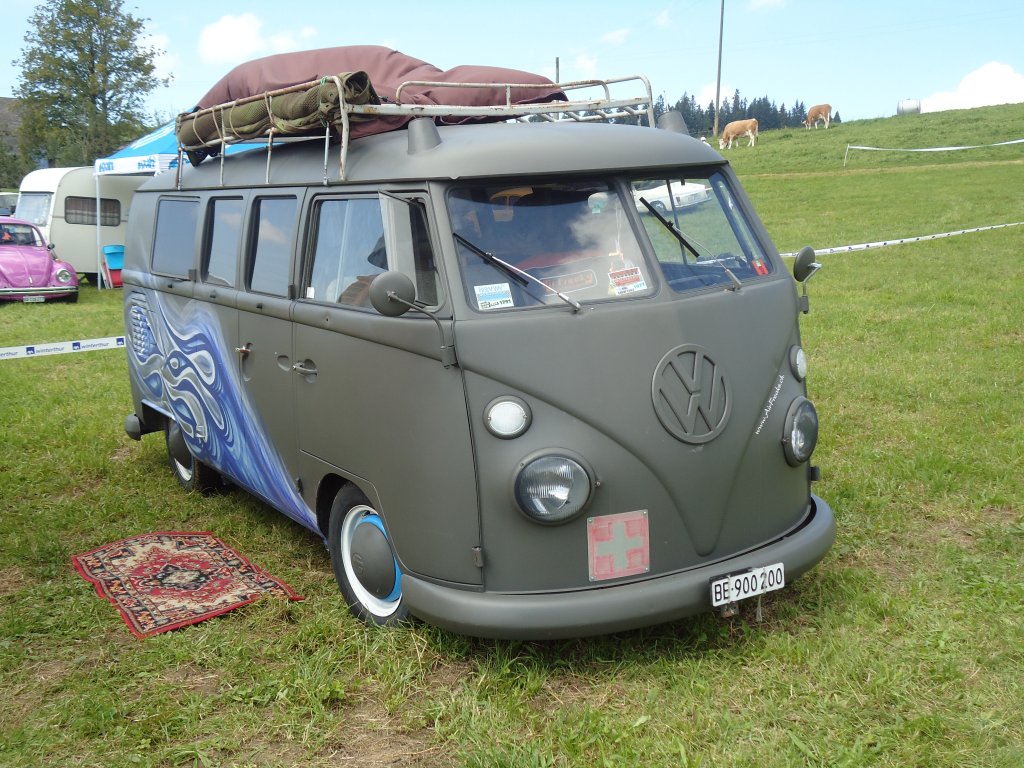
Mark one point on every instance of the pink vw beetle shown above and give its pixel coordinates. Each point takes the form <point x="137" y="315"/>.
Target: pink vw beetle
<point x="29" y="271"/>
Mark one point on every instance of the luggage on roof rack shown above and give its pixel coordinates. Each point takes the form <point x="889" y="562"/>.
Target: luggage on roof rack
<point x="384" y="96"/>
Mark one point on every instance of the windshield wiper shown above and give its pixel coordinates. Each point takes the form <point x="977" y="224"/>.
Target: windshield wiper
<point x="671" y="228"/>
<point x="674" y="230"/>
<point x="521" y="277"/>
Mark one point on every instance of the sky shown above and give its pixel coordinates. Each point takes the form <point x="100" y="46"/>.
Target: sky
<point x="864" y="58"/>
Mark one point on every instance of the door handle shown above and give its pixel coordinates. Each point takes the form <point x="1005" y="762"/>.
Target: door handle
<point x="244" y="351"/>
<point x="305" y="368"/>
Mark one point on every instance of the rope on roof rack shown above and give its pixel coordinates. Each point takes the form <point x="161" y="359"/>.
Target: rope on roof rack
<point x="350" y="97"/>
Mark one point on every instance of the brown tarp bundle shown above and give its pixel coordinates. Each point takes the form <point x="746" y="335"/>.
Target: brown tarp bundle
<point x="368" y="74"/>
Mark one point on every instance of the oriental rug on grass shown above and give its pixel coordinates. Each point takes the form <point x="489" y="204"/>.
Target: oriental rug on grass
<point x="163" y="581"/>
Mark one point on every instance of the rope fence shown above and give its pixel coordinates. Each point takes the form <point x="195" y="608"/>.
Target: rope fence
<point x="902" y="240"/>
<point x="927" y="149"/>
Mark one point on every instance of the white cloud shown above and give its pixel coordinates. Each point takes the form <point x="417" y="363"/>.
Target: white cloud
<point x="756" y="5"/>
<point x="164" y="63"/>
<point x="706" y="95"/>
<point x="286" y="40"/>
<point x="586" y="66"/>
<point x="992" y="83"/>
<point x="664" y="19"/>
<point x="617" y="37"/>
<point x="232" y="40"/>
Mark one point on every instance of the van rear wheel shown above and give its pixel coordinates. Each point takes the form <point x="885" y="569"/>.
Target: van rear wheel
<point x="191" y="473"/>
<point x="363" y="561"/>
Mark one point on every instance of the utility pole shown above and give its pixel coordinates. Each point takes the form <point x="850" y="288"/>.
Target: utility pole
<point x="718" y="80"/>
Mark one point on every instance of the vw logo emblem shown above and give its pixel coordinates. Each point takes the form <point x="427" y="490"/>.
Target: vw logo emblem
<point x="691" y="395"/>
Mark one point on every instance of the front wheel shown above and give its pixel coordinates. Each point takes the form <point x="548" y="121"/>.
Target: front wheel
<point x="363" y="561"/>
<point x="191" y="473"/>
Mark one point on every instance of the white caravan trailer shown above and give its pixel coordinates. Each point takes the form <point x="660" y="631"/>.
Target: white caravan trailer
<point x="62" y="202"/>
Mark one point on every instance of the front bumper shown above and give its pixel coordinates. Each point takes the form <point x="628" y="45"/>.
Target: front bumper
<point x="610" y="609"/>
<point x="45" y="292"/>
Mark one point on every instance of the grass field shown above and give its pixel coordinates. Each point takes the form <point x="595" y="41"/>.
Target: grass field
<point x="905" y="647"/>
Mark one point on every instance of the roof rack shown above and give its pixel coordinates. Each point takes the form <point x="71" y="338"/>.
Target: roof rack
<point x="336" y="114"/>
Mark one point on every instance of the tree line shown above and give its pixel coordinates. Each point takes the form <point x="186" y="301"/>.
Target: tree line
<point x="701" y="120"/>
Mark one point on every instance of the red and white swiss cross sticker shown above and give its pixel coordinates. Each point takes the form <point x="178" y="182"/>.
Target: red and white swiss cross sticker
<point x="618" y="545"/>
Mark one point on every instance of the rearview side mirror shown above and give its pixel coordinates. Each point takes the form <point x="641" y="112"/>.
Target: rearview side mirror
<point x="805" y="265"/>
<point x="392" y="293"/>
<point x="803" y="270"/>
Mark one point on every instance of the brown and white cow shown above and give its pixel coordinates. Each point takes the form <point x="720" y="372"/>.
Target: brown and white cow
<point x="822" y="112"/>
<point x="736" y="129"/>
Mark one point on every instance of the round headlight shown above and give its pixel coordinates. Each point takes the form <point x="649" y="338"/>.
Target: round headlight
<point x="552" y="489"/>
<point x="801" y="433"/>
<point x="798" y="362"/>
<point x="507" y="417"/>
<point x="63" y="275"/>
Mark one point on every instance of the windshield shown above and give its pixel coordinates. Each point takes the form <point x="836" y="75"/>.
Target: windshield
<point x="573" y="240"/>
<point x="534" y="242"/>
<point x="699" y="234"/>
<point x="19" y="234"/>
<point x="34" y="207"/>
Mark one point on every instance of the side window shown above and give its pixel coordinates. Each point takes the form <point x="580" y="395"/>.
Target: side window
<point x="359" y="238"/>
<point x="348" y="251"/>
<point x="409" y="242"/>
<point x="82" y="210"/>
<point x="176" y="222"/>
<point x="274" y="232"/>
<point x="224" y="222"/>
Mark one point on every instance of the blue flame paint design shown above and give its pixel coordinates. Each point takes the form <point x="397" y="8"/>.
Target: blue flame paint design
<point x="178" y="359"/>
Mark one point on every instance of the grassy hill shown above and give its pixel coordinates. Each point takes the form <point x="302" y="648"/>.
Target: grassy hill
<point x="792" y="150"/>
<point x="805" y="194"/>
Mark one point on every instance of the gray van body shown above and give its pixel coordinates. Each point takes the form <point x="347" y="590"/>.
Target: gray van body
<point x="296" y="398"/>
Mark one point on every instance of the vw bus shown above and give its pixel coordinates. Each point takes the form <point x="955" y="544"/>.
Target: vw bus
<point x="515" y="397"/>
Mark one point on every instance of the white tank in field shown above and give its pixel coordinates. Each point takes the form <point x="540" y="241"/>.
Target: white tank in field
<point x="909" y="107"/>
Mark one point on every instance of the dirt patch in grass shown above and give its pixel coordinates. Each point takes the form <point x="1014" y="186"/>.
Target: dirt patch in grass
<point x="11" y="580"/>
<point x="903" y="551"/>
<point x="371" y="736"/>
<point x="27" y="696"/>
<point x="563" y="692"/>
<point x="84" y="487"/>
<point x="259" y="753"/>
<point x="193" y="679"/>
<point x="1003" y="516"/>
<point x="125" y="452"/>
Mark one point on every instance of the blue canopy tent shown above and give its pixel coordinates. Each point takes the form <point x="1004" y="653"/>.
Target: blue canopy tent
<point x="152" y="154"/>
<point x="149" y="155"/>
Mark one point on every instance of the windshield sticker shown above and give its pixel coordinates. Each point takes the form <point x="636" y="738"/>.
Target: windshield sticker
<point x="770" y="404"/>
<point x="759" y="266"/>
<point x="494" y="296"/>
<point x="574" y="281"/>
<point x="629" y="280"/>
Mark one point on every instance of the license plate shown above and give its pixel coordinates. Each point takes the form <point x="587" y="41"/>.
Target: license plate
<point x="30" y="299"/>
<point x="739" y="586"/>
